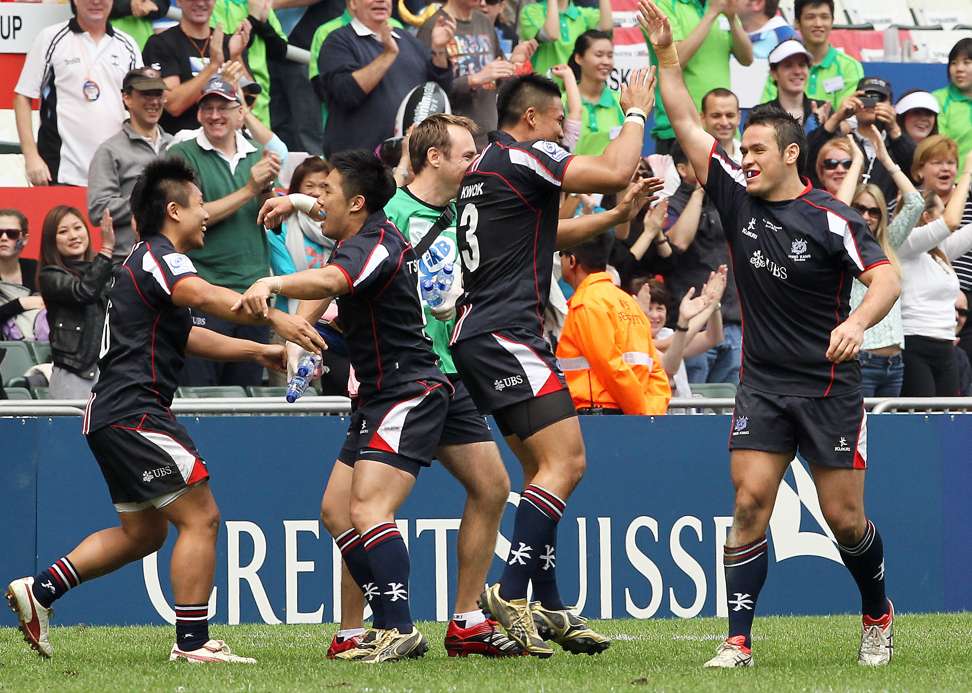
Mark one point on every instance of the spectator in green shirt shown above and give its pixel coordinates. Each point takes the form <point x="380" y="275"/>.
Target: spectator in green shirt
<point x="601" y="116"/>
<point x="955" y="119"/>
<point x="833" y="74"/>
<point x="557" y="28"/>
<point x="705" y="34"/>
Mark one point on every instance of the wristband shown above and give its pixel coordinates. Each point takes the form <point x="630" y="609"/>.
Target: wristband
<point x="667" y="56"/>
<point x="635" y="120"/>
<point x="679" y="328"/>
<point x="276" y="284"/>
<point x="635" y="111"/>
<point x="302" y="203"/>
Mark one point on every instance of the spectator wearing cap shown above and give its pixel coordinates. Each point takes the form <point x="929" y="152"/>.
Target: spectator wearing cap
<point x="478" y="62"/>
<point x="367" y="68"/>
<point x="870" y="104"/>
<point x="789" y="67"/>
<point x="233" y="174"/>
<point x="765" y="25"/>
<point x="917" y="112"/>
<point x="955" y="118"/>
<point x="833" y="74"/>
<point x="556" y="26"/>
<point x="705" y="34"/>
<point x="188" y="55"/>
<point x="120" y="159"/>
<point x="76" y="69"/>
<point x="606" y="349"/>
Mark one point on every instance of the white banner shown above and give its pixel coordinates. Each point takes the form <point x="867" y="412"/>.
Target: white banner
<point x="20" y="22"/>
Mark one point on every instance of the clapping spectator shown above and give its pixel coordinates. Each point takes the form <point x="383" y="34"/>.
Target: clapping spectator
<point x="601" y="117"/>
<point x="955" y="119"/>
<point x="368" y="67"/>
<point x="556" y="25"/>
<point x="120" y="159"/>
<point x="135" y="17"/>
<point x="705" y="39"/>
<point x="766" y="27"/>
<point x="917" y="112"/>
<point x="790" y="67"/>
<point x="74" y="284"/>
<point x="18" y="279"/>
<point x="76" y="69"/>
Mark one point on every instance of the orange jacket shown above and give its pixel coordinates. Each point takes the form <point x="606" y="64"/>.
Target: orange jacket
<point x="607" y="354"/>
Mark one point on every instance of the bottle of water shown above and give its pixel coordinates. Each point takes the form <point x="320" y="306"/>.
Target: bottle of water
<point x="444" y="279"/>
<point x="302" y="377"/>
<point x="431" y="293"/>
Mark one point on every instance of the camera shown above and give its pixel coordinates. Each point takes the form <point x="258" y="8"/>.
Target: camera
<point x="869" y="101"/>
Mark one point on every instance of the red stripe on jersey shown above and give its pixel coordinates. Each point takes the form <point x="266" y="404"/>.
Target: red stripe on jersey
<point x="364" y="266"/>
<point x="346" y="276"/>
<point x="833" y="366"/>
<point x="374" y="336"/>
<point x="532" y="156"/>
<point x="137" y="290"/>
<point x="148" y="246"/>
<point x="877" y="264"/>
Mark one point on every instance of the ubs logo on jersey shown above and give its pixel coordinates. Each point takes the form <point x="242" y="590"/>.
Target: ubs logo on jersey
<point x="511" y="381"/>
<point x="150" y="474"/>
<point x="759" y="262"/>
<point x="798" y="250"/>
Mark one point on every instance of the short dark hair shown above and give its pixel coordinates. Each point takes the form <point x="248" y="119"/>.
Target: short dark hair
<point x="362" y="173"/>
<point x="521" y="93"/>
<point x="771" y="8"/>
<point x="788" y="129"/>
<point x="18" y="215"/>
<point x="961" y="49"/>
<point x="720" y="92"/>
<point x="583" y="44"/>
<point x="312" y="164"/>
<point x="800" y="5"/>
<point x="163" y="181"/>
<point x="593" y="254"/>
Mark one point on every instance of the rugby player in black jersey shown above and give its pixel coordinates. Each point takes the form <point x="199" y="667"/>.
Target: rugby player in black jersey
<point x="508" y="232"/>
<point x="403" y="398"/>
<point x="154" y="472"/>
<point x="795" y="251"/>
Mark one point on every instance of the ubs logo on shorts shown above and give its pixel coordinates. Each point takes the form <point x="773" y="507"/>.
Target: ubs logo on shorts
<point x="502" y="383"/>
<point x="150" y="474"/>
<point x="739" y="428"/>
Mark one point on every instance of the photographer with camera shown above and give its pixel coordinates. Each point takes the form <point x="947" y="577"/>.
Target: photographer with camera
<point x="870" y="105"/>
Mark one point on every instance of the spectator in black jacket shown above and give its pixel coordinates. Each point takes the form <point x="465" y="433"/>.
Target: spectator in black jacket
<point x="367" y="68"/>
<point x="74" y="284"/>
<point x="18" y="275"/>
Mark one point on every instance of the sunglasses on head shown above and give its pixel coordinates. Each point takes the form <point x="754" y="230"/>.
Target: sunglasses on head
<point x="831" y="164"/>
<point x="870" y="211"/>
<point x="12" y="234"/>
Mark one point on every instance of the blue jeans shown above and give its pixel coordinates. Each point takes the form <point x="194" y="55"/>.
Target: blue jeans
<point x="720" y="364"/>
<point x="881" y="376"/>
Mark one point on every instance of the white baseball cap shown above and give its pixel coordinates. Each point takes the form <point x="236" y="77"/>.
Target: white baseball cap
<point x="787" y="49"/>
<point x="917" y="99"/>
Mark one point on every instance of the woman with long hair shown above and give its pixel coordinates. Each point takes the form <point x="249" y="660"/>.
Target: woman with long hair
<point x="74" y="284"/>
<point x="602" y="117"/>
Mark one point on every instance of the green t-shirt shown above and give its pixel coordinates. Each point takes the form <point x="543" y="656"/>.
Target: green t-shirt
<point x="955" y="120"/>
<point x="833" y="80"/>
<point x="574" y="21"/>
<point x="230" y="14"/>
<point x="414" y="218"/>
<point x="708" y="68"/>
<point x="138" y="28"/>
<point x="600" y="123"/>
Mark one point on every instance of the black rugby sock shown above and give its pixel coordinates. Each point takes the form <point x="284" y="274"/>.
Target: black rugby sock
<point x="356" y="558"/>
<point x="388" y="559"/>
<point x="53" y="583"/>
<point x="192" y="626"/>
<point x="533" y="530"/>
<point x="745" y="568"/>
<point x="865" y="561"/>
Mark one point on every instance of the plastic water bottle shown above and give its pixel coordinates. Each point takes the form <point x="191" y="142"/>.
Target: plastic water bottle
<point x="444" y="279"/>
<point x="301" y="380"/>
<point x="431" y="293"/>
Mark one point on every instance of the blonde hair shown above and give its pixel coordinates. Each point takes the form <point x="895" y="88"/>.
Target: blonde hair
<point x="840" y="143"/>
<point x="931" y="200"/>
<point x="931" y="148"/>
<point x="881" y="232"/>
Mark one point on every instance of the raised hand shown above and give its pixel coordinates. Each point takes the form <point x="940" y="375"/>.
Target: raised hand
<point x="274" y="211"/>
<point x="240" y="40"/>
<point x="524" y="51"/>
<point x="143" y="8"/>
<point x="639" y="92"/>
<point x="715" y="288"/>
<point x="107" y="233"/>
<point x="443" y="31"/>
<point x="388" y="42"/>
<point x="564" y="73"/>
<point x="655" y="24"/>
<point x="264" y="172"/>
<point x="216" y="56"/>
<point x="691" y="306"/>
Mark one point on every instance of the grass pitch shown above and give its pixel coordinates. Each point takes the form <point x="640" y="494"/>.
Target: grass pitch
<point x="932" y="653"/>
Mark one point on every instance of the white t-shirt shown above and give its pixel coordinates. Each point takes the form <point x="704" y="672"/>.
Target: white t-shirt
<point x="79" y="84"/>
<point x="680" y="380"/>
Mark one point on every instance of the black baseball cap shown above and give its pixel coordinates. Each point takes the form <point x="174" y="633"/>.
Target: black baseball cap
<point x="143" y="79"/>
<point x="875" y="86"/>
<point x="217" y="86"/>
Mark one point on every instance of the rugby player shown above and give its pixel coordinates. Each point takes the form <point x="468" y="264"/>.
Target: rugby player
<point x="508" y="232"/>
<point x="795" y="251"/>
<point x="154" y="472"/>
<point x="403" y="397"/>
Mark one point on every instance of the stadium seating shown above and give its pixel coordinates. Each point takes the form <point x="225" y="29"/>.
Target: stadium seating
<point x="41" y="351"/>
<point x="264" y="391"/>
<point x="41" y="392"/>
<point x="949" y="14"/>
<point x="713" y="390"/>
<point x="211" y="392"/>
<point x="930" y="46"/>
<point x="880" y="14"/>
<point x="16" y="360"/>
<point x="17" y="393"/>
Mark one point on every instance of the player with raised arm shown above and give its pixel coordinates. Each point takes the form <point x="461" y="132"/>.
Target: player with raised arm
<point x="403" y="399"/>
<point x="795" y="251"/>
<point x="508" y="232"/>
<point x="154" y="473"/>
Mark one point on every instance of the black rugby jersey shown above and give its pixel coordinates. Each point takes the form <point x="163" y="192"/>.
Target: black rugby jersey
<point x="382" y="316"/>
<point x="793" y="262"/>
<point x="143" y="345"/>
<point x="508" y="207"/>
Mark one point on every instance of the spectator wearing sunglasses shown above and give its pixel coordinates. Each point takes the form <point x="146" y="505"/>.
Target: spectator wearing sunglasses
<point x="18" y="275"/>
<point x="833" y="162"/>
<point x="869" y="105"/>
<point x="882" y="363"/>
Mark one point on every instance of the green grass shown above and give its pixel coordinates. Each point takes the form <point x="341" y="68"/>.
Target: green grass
<point x="933" y="654"/>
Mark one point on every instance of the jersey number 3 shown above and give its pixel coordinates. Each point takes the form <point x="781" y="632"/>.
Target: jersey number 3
<point x="467" y="231"/>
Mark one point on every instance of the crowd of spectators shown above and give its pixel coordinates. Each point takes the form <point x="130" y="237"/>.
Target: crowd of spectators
<point x="119" y="85"/>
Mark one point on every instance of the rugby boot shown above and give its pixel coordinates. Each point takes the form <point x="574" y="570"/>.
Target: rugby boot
<point x="337" y="647"/>
<point x="212" y="652"/>
<point x="482" y="639"/>
<point x="877" y="639"/>
<point x="516" y="618"/>
<point x="31" y="615"/>
<point x="567" y="630"/>
<point x="393" y="646"/>
<point x="731" y="653"/>
<point x="364" y="646"/>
